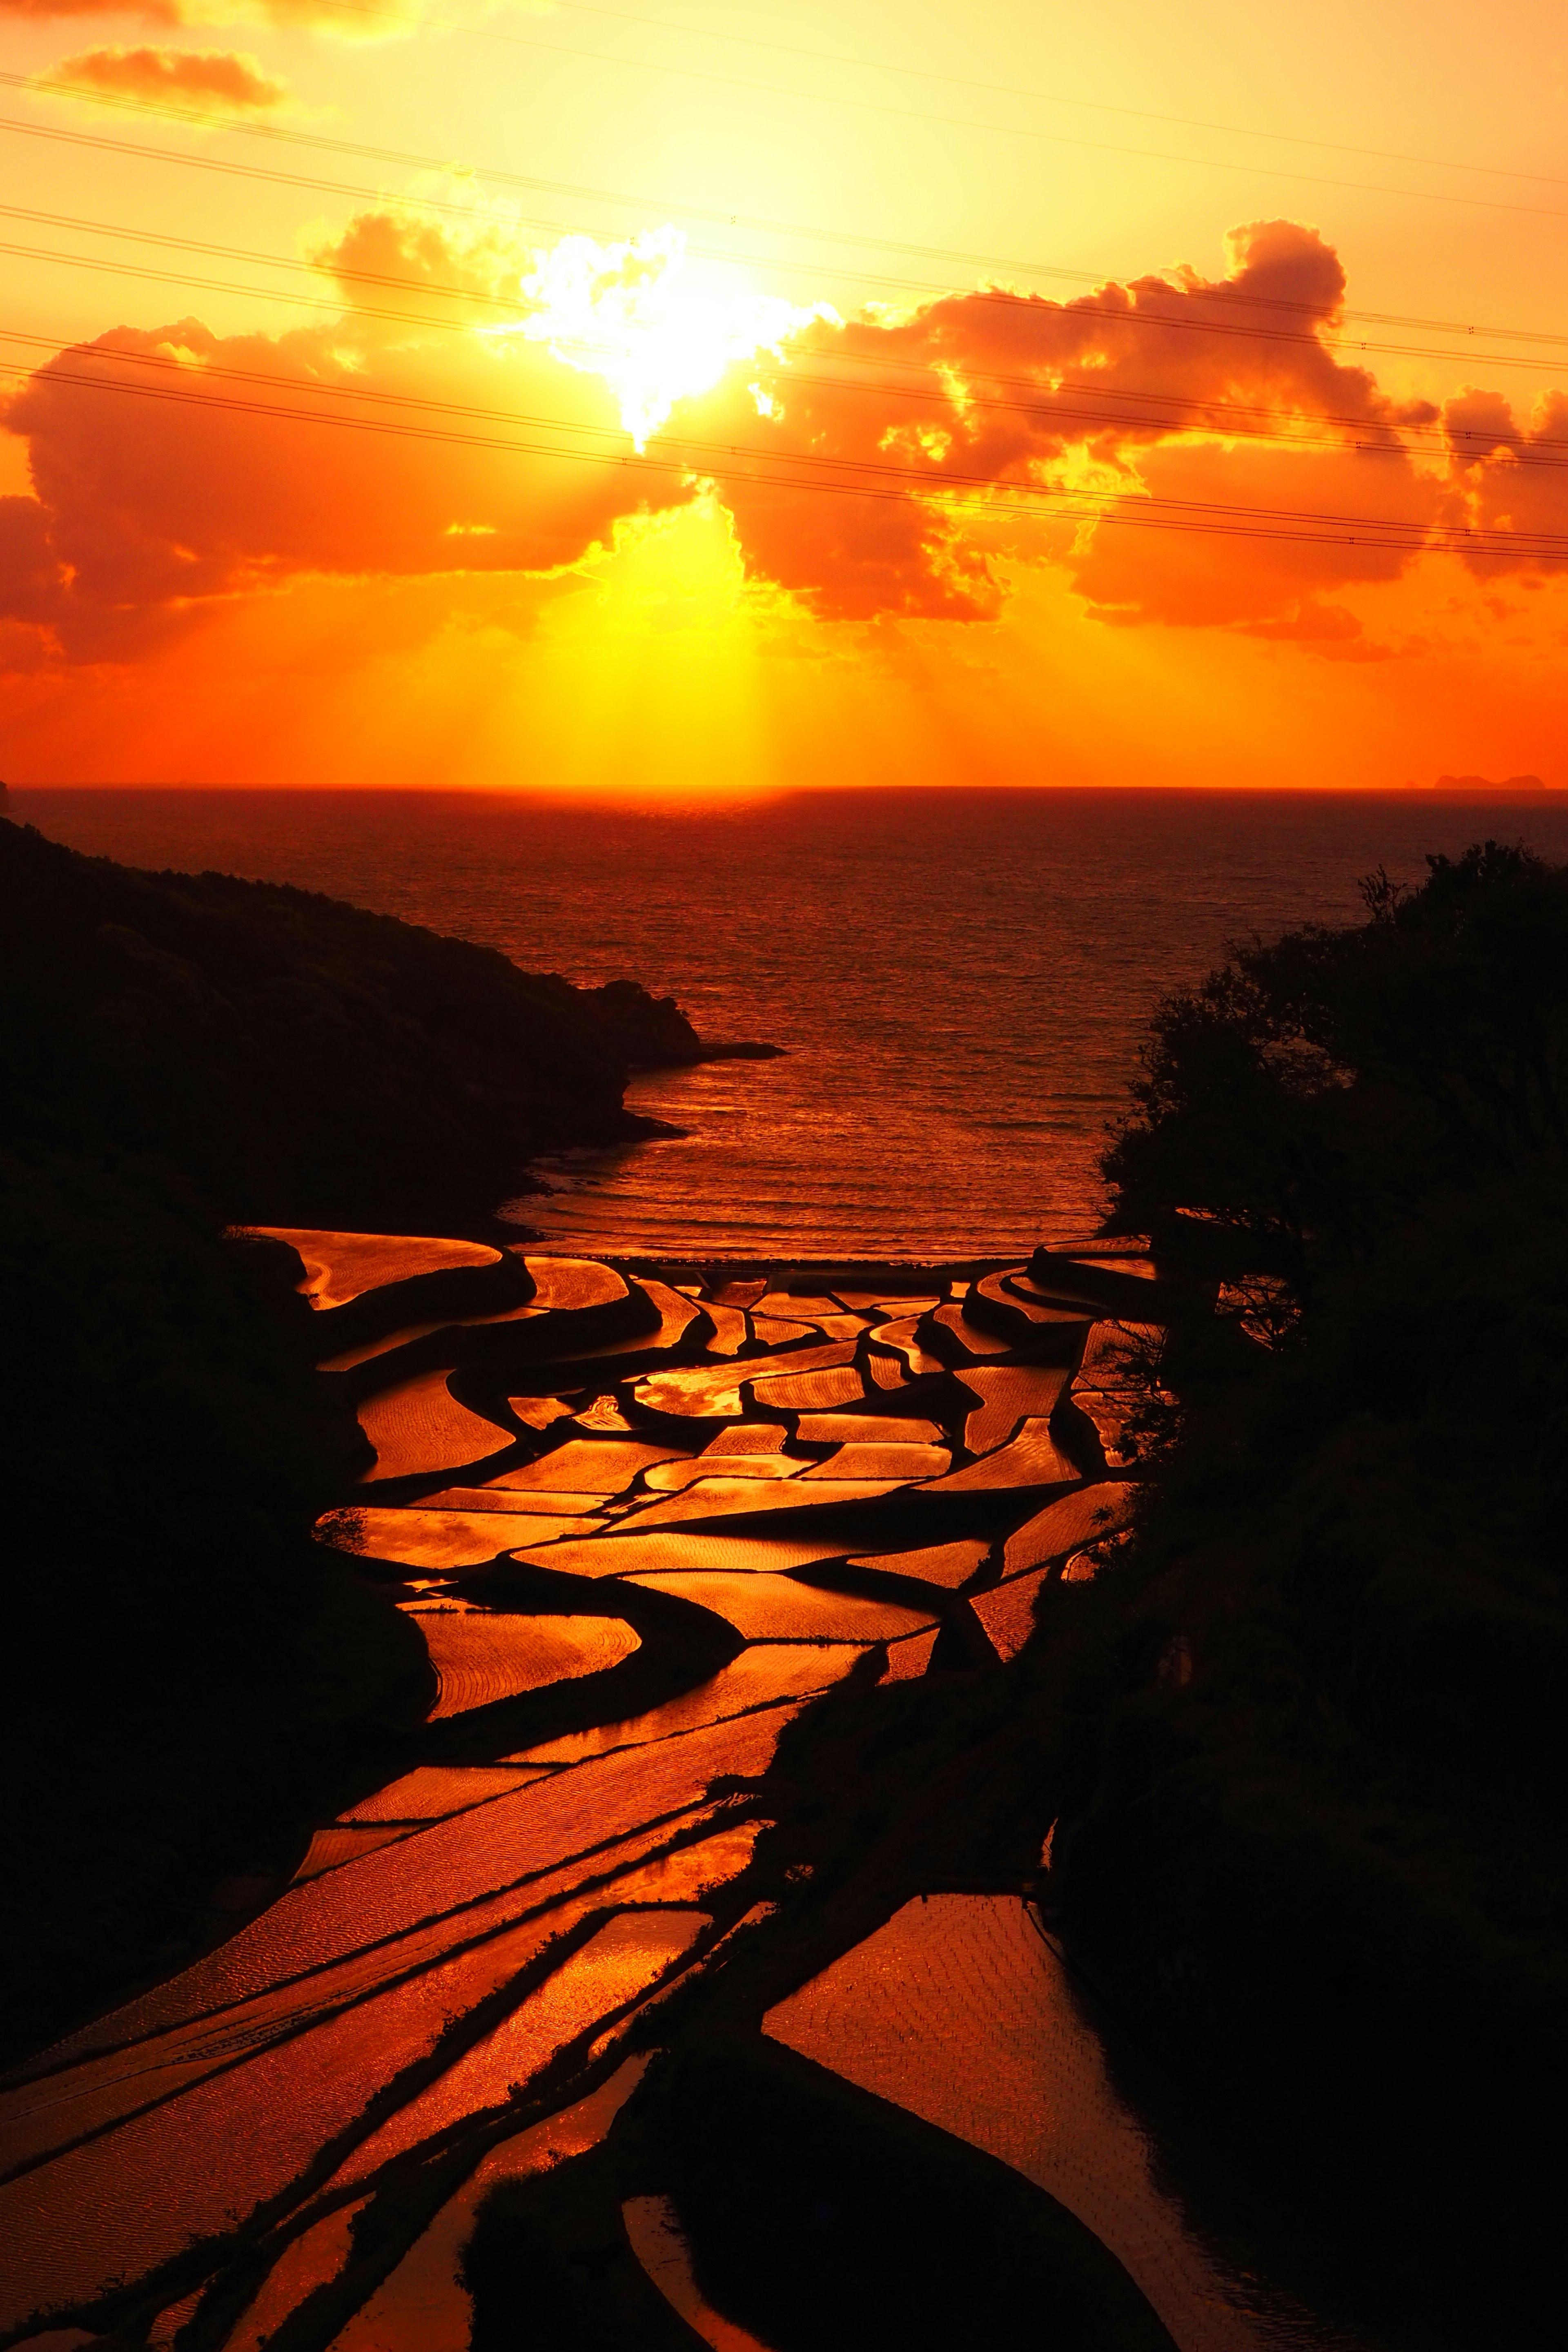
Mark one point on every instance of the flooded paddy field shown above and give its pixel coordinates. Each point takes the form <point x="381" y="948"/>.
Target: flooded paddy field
<point x="483" y="2054"/>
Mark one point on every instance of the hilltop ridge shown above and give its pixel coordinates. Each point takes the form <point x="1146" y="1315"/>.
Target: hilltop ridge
<point x="299" y="1059"/>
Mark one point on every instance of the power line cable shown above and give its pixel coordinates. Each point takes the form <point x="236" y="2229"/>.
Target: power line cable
<point x="1053" y="414"/>
<point x="951" y="122"/>
<point x="34" y="84"/>
<point x="1149" y="318"/>
<point x="1011" y="89"/>
<point x="910" y="483"/>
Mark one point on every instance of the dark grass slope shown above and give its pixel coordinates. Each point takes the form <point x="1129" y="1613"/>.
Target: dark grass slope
<point x="186" y="1671"/>
<point x="302" y="1061"/>
<point x="819" y="2218"/>
<point x="825" y="2220"/>
<point x="190" y="1678"/>
<point x="1315" y="1821"/>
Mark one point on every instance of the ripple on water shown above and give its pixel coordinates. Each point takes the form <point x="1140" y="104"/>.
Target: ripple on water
<point x="958" y="2010"/>
<point x="483" y="1656"/>
<point x="422" y="2306"/>
<point x="613" y="1967"/>
<point x="135" y="2196"/>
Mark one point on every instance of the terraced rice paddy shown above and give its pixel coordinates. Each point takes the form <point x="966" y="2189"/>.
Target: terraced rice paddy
<point x="420" y="1426"/>
<point x="447" y="1538"/>
<point x="960" y="2009"/>
<point x="1007" y="1612"/>
<point x="470" y="1963"/>
<point x="481" y="1656"/>
<point x="339" y="1268"/>
<point x="776" y="1609"/>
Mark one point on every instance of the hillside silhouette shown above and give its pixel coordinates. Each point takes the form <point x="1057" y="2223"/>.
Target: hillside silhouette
<point x="1315" y="1852"/>
<point x="181" y="1053"/>
<point x="300" y="1060"/>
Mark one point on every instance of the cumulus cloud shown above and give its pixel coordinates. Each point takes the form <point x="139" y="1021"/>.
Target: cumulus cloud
<point x="1217" y="535"/>
<point x="469" y="268"/>
<point x="1190" y="452"/>
<point x="149" y="507"/>
<point x="220" y="82"/>
<point x="1134" y="394"/>
<point x="1510" y="479"/>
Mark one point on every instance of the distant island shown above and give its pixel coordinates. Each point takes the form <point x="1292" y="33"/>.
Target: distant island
<point x="1483" y="788"/>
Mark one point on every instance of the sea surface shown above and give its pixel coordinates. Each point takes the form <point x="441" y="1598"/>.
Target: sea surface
<point x="961" y="979"/>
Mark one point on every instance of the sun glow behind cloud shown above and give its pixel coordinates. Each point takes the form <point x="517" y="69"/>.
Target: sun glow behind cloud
<point x="640" y="315"/>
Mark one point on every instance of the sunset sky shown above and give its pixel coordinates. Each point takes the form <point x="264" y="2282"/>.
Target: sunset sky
<point x="608" y="400"/>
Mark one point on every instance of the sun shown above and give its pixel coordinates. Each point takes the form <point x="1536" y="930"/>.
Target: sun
<point x="640" y="315"/>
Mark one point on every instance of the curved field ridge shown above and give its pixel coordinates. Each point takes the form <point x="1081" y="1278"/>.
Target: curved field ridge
<point x="518" y="1841"/>
<point x="472" y="1923"/>
<point x="342" y="1267"/>
<point x="422" y="2306"/>
<point x="776" y="1608"/>
<point x="958" y="2010"/>
<point x="1066" y="1525"/>
<point x="573" y="1283"/>
<point x="616" y="1964"/>
<point x="1033" y="1459"/>
<point x="433" y="1791"/>
<point x="1007" y="1614"/>
<point x="123" y="2202"/>
<point x="480" y="1657"/>
<point x="653" y="2229"/>
<point x="442" y="1539"/>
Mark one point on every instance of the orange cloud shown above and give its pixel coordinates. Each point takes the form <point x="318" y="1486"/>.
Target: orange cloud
<point x="206" y="81"/>
<point x="206" y="486"/>
<point x="348" y="20"/>
<point x="1154" y="391"/>
<point x="1182" y="451"/>
<point x="1260" y="545"/>
<point x="469" y="270"/>
<point x="1509" y="478"/>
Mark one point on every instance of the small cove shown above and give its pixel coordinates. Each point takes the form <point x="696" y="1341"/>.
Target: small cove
<point x="961" y="978"/>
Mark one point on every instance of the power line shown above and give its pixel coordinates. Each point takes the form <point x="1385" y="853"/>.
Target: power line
<point x="909" y="483"/>
<point x="1009" y="89"/>
<point x="1053" y="414"/>
<point x="923" y="73"/>
<point x="1152" y="319"/>
<point x="954" y="122"/>
<point x="410" y="161"/>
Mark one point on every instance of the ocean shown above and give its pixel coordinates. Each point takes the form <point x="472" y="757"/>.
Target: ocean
<point x="961" y="979"/>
